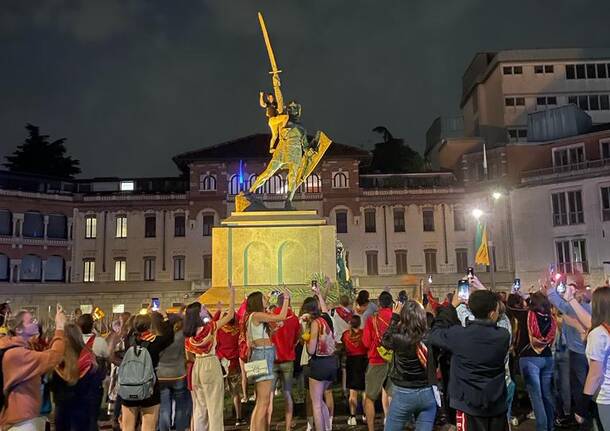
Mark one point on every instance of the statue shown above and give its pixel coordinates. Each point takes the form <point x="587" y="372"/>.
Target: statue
<point x="343" y="276"/>
<point x="289" y="145"/>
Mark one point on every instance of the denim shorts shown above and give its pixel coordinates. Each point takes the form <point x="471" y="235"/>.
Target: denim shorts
<point x="267" y="353"/>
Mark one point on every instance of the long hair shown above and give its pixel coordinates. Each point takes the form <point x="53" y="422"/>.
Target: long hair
<point x="254" y="302"/>
<point x="311" y="306"/>
<point x="600" y="307"/>
<point x="156" y="322"/>
<point x="413" y="322"/>
<point x="74" y="346"/>
<point x="142" y="323"/>
<point x="192" y="319"/>
<point x="539" y="303"/>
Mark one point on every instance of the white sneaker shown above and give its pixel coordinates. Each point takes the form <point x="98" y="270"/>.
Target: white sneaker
<point x="309" y="427"/>
<point x="364" y="418"/>
<point x="351" y="421"/>
<point x="514" y="421"/>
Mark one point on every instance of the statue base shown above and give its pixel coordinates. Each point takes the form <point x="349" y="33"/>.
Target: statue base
<point x="260" y="250"/>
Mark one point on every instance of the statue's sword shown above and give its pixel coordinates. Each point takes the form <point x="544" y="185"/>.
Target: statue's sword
<point x="274" y="70"/>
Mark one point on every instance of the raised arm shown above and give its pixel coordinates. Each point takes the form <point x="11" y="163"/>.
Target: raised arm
<point x="323" y="306"/>
<point x="392" y="338"/>
<point x="583" y="316"/>
<point x="262" y="317"/>
<point x="226" y="318"/>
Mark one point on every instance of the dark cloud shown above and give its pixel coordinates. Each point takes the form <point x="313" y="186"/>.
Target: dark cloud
<point x="131" y="83"/>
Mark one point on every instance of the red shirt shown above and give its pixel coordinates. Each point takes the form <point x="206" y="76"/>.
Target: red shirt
<point x="286" y="336"/>
<point x="352" y="340"/>
<point x="227" y="345"/>
<point x="372" y="336"/>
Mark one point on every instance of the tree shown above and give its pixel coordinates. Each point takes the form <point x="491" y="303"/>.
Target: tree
<point x="394" y="156"/>
<point x="39" y="156"/>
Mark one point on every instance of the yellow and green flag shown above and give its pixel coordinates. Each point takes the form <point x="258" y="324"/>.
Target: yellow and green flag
<point x="480" y="246"/>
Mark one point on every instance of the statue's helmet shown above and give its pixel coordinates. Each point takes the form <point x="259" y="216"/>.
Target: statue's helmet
<point x="294" y="110"/>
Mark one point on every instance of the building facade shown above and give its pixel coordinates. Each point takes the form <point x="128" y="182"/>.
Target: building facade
<point x="117" y="242"/>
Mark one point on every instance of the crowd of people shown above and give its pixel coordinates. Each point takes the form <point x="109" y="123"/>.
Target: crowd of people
<point x="480" y="360"/>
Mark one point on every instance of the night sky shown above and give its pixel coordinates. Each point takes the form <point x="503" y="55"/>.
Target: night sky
<point x="130" y="83"/>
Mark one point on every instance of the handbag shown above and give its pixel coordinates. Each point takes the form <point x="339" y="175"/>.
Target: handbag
<point x="256" y="369"/>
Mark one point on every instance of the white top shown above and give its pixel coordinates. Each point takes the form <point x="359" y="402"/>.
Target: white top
<point x="100" y="347"/>
<point x="256" y="332"/>
<point x="598" y="349"/>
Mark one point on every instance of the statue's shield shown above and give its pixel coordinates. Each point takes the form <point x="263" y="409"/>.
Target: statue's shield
<point x="312" y="157"/>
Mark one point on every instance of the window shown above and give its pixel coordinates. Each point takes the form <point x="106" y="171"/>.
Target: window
<point x="90" y="226"/>
<point x="371" y="263"/>
<point x="549" y="68"/>
<point x="5" y="267"/>
<point x="33" y="225"/>
<point x="369" y="220"/>
<point x="150" y="226"/>
<point x="179" y="225"/>
<point x="517" y="70"/>
<point x="430" y="257"/>
<point x="401" y="262"/>
<point x="31" y="268"/>
<point x="573" y="100"/>
<point x="88" y="270"/>
<point x="605" y="203"/>
<point x="567" y="208"/>
<point x="591" y="71"/>
<point x="583" y="102"/>
<point x="594" y="102"/>
<point x="6" y="223"/>
<point x="576" y="214"/>
<point x="520" y="101"/>
<point x="580" y="71"/>
<point x="399" y="219"/>
<point x="208" y="223"/>
<point x="57" y="226"/>
<point x="459" y="222"/>
<point x="341" y="221"/>
<point x="127" y="186"/>
<point x="517" y="135"/>
<point x="340" y="180"/>
<point x="234" y="185"/>
<point x="120" y="269"/>
<point x="605" y="149"/>
<point x="565" y="157"/>
<point x="507" y="70"/>
<point x="570" y="71"/>
<point x="509" y="101"/>
<point x="149" y="268"/>
<point x="572" y="256"/>
<point x="461" y="260"/>
<point x="544" y="68"/>
<point x="546" y="101"/>
<point x="601" y="71"/>
<point x="313" y="184"/>
<point x="538" y="68"/>
<point x="207" y="267"/>
<point x="428" y="219"/>
<point x="121" y="226"/>
<point x="274" y="185"/>
<point x="207" y="183"/>
<point x="178" y="267"/>
<point x="603" y="102"/>
<point x="54" y="269"/>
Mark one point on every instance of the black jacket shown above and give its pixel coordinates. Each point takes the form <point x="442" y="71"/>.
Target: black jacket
<point x="406" y="369"/>
<point x="477" y="383"/>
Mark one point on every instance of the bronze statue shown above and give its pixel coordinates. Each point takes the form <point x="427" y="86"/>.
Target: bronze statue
<point x="291" y="149"/>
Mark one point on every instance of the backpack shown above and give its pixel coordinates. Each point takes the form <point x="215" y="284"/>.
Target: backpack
<point x="3" y="394"/>
<point x="136" y="377"/>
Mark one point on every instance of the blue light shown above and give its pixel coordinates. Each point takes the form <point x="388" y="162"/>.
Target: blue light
<point x="241" y="174"/>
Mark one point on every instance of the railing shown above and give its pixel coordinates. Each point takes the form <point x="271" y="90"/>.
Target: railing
<point x="422" y="180"/>
<point x="565" y="171"/>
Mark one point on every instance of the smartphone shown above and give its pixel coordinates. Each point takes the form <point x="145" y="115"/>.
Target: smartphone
<point x="517" y="284"/>
<point x="273" y="297"/>
<point x="463" y="290"/>
<point x="561" y="288"/>
<point x="314" y="284"/>
<point x="155" y="304"/>
<point x="470" y="272"/>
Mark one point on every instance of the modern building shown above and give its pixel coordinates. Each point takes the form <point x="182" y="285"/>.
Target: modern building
<point x="117" y="242"/>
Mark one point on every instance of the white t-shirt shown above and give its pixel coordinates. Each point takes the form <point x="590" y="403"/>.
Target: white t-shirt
<point x="100" y="347"/>
<point x="598" y="349"/>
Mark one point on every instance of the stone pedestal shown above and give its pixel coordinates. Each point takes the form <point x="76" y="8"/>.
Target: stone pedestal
<point x="263" y="249"/>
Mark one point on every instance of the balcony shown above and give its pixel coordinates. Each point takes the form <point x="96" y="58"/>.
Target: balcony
<point x="591" y="168"/>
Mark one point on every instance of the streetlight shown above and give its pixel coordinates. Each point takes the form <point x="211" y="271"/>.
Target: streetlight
<point x="477" y="213"/>
<point x="496" y="195"/>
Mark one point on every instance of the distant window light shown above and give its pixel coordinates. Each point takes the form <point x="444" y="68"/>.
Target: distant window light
<point x="340" y="180"/>
<point x="207" y="183"/>
<point x="127" y="186"/>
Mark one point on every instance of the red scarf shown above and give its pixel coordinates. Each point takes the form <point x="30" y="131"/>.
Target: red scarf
<point x="86" y="361"/>
<point x="147" y="336"/>
<point x="344" y="313"/>
<point x="203" y="341"/>
<point x="538" y="341"/>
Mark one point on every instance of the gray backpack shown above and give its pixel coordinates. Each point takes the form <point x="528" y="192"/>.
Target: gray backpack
<point x="136" y="374"/>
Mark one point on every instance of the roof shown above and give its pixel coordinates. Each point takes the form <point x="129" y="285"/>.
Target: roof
<point x="483" y="63"/>
<point x="256" y="146"/>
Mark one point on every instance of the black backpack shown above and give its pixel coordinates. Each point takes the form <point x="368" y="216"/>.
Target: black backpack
<point x="3" y="395"/>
